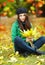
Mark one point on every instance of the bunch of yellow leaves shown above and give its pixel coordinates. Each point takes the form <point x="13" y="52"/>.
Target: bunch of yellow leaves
<point x="31" y="33"/>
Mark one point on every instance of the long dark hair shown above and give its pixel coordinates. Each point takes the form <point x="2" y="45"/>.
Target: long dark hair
<point x="27" y="23"/>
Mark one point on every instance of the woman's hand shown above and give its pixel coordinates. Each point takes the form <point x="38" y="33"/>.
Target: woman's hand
<point x="29" y="39"/>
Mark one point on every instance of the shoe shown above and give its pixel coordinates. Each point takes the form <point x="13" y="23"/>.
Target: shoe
<point x="40" y="53"/>
<point x="25" y="54"/>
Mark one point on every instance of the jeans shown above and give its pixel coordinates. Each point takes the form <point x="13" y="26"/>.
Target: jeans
<point x="22" y="46"/>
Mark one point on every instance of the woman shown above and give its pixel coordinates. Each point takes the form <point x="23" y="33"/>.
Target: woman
<point x="21" y="44"/>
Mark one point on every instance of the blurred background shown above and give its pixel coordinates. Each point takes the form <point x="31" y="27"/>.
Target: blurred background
<point x="35" y="7"/>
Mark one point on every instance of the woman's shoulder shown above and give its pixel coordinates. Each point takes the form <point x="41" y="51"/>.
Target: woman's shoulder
<point x="15" y="23"/>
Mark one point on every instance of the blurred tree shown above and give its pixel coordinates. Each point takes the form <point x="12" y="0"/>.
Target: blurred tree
<point x="9" y="7"/>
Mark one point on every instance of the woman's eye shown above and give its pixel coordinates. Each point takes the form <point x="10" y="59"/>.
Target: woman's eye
<point x="24" y="15"/>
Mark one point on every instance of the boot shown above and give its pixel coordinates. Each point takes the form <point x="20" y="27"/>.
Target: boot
<point x="40" y="53"/>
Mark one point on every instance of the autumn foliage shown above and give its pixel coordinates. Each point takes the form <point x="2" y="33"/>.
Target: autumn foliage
<point x="8" y="7"/>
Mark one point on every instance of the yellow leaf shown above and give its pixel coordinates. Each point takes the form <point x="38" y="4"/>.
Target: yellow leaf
<point x="38" y="63"/>
<point x="1" y="57"/>
<point x="17" y="53"/>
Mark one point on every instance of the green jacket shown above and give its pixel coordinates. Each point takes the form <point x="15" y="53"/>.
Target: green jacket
<point x="15" y="31"/>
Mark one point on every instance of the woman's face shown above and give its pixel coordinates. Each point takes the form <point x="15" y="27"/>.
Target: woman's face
<point x="22" y="17"/>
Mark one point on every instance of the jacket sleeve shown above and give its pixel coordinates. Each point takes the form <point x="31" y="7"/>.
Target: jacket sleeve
<point x="13" y="32"/>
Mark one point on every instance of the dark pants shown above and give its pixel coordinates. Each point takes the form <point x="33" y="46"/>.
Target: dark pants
<point x="22" y="46"/>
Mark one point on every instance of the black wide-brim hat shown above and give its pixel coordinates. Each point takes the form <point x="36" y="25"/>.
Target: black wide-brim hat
<point x="21" y="10"/>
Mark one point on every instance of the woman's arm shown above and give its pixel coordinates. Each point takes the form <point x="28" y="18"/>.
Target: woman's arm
<point x="13" y="31"/>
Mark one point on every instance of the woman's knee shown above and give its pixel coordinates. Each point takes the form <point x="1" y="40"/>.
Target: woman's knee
<point x="17" y="39"/>
<point x="42" y="37"/>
